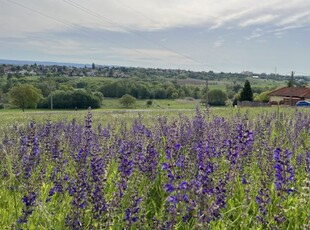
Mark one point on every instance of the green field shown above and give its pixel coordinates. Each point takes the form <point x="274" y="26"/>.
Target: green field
<point x="112" y="110"/>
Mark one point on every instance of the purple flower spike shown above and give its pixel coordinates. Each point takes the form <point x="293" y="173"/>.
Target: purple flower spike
<point x="177" y="147"/>
<point x="284" y="173"/>
<point x="173" y="199"/>
<point x="183" y="185"/>
<point x="169" y="188"/>
<point x="165" y="166"/>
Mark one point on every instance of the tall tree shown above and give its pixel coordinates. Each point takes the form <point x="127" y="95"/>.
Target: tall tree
<point x="25" y="96"/>
<point x="246" y="93"/>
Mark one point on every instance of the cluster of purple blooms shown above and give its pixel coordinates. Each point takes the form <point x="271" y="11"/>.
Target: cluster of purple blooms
<point x="176" y="172"/>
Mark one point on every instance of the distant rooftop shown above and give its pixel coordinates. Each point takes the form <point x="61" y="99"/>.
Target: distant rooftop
<point x="291" y="91"/>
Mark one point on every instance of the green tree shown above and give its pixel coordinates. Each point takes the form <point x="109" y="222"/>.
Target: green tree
<point x="170" y="91"/>
<point x="301" y="83"/>
<point x="71" y="99"/>
<point x="246" y="93"/>
<point x="99" y="96"/>
<point x="262" y="97"/>
<point x="216" y="97"/>
<point x="127" y="100"/>
<point x="160" y="93"/>
<point x="25" y="96"/>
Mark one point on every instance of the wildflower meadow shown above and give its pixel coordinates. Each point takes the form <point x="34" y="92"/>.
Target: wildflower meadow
<point x="179" y="172"/>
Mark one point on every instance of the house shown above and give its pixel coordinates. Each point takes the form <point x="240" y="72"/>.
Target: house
<point x="289" y="95"/>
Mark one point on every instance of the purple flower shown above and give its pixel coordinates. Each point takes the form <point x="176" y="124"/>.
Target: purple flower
<point x="185" y="198"/>
<point x="29" y="202"/>
<point x="284" y="173"/>
<point x="177" y="147"/>
<point x="131" y="213"/>
<point x="169" y="188"/>
<point x="308" y="162"/>
<point x="126" y="166"/>
<point x="168" y="154"/>
<point x="165" y="166"/>
<point x="127" y="214"/>
<point x="183" y="185"/>
<point x="173" y="199"/>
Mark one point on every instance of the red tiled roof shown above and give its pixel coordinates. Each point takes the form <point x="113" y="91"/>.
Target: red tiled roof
<point x="291" y="91"/>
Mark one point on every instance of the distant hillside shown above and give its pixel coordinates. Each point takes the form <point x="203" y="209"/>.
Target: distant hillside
<point x="46" y="63"/>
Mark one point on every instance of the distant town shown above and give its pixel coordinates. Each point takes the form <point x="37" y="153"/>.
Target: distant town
<point x="19" y="68"/>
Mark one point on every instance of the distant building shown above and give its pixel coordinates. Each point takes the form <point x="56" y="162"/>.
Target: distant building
<point x="284" y="95"/>
<point x="247" y="73"/>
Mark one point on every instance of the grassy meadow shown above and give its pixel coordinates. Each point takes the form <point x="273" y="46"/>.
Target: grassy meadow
<point x="171" y="166"/>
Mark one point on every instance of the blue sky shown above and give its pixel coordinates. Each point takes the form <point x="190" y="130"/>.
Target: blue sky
<point x="219" y="35"/>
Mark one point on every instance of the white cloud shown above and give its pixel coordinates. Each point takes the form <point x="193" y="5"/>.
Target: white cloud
<point x="63" y="47"/>
<point x="285" y="28"/>
<point x="61" y="30"/>
<point x="279" y="34"/>
<point x="295" y="18"/>
<point x="149" y="54"/>
<point x="259" y="20"/>
<point x="255" y="34"/>
<point x="219" y="42"/>
<point x="146" y="15"/>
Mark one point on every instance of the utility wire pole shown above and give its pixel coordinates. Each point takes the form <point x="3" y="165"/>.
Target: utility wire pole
<point x="52" y="105"/>
<point x="50" y="81"/>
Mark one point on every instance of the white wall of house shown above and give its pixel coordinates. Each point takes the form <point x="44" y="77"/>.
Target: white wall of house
<point x="275" y="98"/>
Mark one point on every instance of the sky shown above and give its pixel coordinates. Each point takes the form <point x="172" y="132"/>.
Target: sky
<point x="265" y="36"/>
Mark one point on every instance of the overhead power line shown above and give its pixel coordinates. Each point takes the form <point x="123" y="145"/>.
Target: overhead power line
<point x="72" y="26"/>
<point x="136" y="11"/>
<point x="106" y="19"/>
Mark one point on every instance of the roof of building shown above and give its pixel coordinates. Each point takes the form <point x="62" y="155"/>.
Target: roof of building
<point x="291" y="91"/>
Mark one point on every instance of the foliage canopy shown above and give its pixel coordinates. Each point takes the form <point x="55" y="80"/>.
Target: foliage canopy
<point x="72" y="99"/>
<point x="25" y="96"/>
<point x="246" y="93"/>
<point x="217" y="97"/>
<point x="127" y="100"/>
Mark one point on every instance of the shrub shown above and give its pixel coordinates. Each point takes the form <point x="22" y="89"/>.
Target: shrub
<point x="127" y="100"/>
<point x="71" y="99"/>
<point x="149" y="103"/>
<point x="216" y="97"/>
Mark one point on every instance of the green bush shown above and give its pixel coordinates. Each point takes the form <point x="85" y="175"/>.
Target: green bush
<point x="127" y="100"/>
<point x="216" y="97"/>
<point x="71" y="99"/>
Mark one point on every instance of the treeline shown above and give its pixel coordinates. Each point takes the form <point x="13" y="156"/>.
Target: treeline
<point x="130" y="72"/>
<point x="144" y="90"/>
<point x="81" y="92"/>
<point x="71" y="93"/>
<point x="63" y="94"/>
